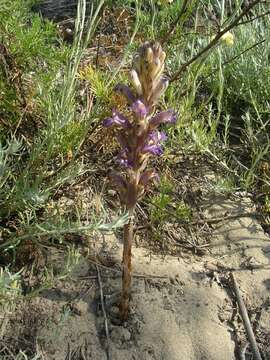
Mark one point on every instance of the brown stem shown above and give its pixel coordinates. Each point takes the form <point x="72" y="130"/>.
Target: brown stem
<point x="126" y="274"/>
<point x="246" y="320"/>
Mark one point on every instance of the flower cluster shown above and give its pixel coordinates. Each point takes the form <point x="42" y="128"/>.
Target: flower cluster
<point x="139" y="137"/>
<point x="228" y="39"/>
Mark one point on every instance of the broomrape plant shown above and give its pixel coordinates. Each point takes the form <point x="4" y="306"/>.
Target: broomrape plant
<point x="139" y="139"/>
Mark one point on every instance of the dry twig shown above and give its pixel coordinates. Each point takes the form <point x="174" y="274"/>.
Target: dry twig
<point x="108" y="348"/>
<point x="245" y="318"/>
<point x="254" y="18"/>
<point x="243" y="352"/>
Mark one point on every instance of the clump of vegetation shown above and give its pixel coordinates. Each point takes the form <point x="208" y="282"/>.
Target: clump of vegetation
<point x="43" y="126"/>
<point x="163" y="203"/>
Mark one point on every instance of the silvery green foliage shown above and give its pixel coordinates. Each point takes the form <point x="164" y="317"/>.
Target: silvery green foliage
<point x="9" y="289"/>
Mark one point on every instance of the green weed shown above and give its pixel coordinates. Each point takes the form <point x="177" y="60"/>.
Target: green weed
<point x="164" y="203"/>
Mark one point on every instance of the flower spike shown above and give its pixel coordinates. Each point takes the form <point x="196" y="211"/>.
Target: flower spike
<point x="139" y="138"/>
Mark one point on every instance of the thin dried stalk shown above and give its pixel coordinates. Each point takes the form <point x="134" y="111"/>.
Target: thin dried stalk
<point x="108" y="347"/>
<point x="246" y="321"/>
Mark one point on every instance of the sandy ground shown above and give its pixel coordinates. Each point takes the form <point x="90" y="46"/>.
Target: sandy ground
<point x="182" y="308"/>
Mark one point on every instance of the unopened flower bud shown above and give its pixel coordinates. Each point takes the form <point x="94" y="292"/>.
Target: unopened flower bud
<point x="125" y="90"/>
<point x="159" y="90"/>
<point x="157" y="49"/>
<point x="149" y="55"/>
<point x="118" y="180"/>
<point x="137" y="63"/>
<point x="168" y="116"/>
<point x="147" y="176"/>
<point x="139" y="109"/>
<point x="162" y="57"/>
<point x="136" y="81"/>
<point x="155" y="68"/>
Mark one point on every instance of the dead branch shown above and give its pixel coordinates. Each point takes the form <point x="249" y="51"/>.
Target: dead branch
<point x="245" y="318"/>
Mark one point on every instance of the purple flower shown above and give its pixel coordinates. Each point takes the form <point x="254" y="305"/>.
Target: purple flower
<point x="153" y="149"/>
<point x="125" y="90"/>
<point x="139" y="109"/>
<point x="117" y="119"/>
<point x="157" y="136"/>
<point x="153" y="143"/>
<point x="108" y="122"/>
<point x="168" y="116"/>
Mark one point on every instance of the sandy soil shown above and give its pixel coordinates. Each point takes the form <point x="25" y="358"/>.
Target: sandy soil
<point x="182" y="308"/>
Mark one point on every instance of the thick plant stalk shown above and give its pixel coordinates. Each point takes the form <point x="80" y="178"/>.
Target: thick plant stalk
<point x="139" y="138"/>
<point x="127" y="270"/>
